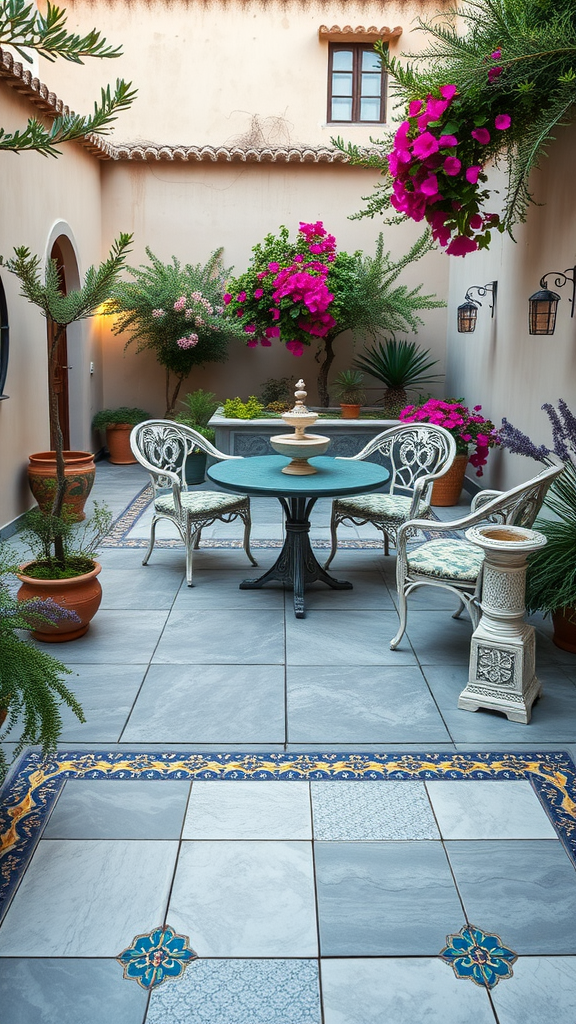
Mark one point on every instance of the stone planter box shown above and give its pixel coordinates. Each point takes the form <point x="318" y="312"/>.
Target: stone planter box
<point x="251" y="437"/>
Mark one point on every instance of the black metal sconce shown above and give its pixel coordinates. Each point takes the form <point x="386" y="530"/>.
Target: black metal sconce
<point x="468" y="311"/>
<point x="543" y="305"/>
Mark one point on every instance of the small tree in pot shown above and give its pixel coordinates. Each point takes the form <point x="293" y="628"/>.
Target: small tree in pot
<point x="349" y="386"/>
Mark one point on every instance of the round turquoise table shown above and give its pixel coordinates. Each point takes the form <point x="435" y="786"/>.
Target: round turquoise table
<point x="296" y="565"/>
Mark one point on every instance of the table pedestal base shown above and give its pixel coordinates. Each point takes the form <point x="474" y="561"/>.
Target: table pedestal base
<point x="296" y="565"/>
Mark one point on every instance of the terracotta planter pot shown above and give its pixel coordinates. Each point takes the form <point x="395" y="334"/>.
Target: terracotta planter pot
<point x="447" y="490"/>
<point x="81" y="594"/>
<point x="350" y="412"/>
<point x="565" y="629"/>
<point x="79" y="471"/>
<point x="118" y="441"/>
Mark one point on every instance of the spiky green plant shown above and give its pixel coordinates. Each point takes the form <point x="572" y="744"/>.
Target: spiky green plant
<point x="402" y="366"/>
<point x="349" y="386"/>
<point x="551" y="579"/>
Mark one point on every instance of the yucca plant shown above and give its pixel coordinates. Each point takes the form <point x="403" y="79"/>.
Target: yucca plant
<point x="402" y="366"/>
<point x="349" y="386"/>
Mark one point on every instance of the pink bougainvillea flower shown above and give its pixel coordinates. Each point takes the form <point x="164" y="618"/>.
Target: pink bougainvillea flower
<point x="180" y="304"/>
<point x="250" y="328"/>
<point x="476" y="222"/>
<point x="415" y="107"/>
<point x="494" y="73"/>
<point x="295" y="347"/>
<point x="477" y="408"/>
<point x="472" y="174"/>
<point x="448" y="92"/>
<point x="241" y="297"/>
<point x="452" y="166"/>
<point x="446" y="141"/>
<point x="461" y="245"/>
<point x="482" y="135"/>
<point x="253" y="343"/>
<point x="425" y="145"/>
<point x="430" y="186"/>
<point x="259" y="292"/>
<point x="265" y="342"/>
<point x="274" y="267"/>
<point x="435" y="108"/>
<point x="401" y="136"/>
<point x="496" y="54"/>
<point x="272" y="332"/>
<point x="275" y="313"/>
<point x="299" y="258"/>
<point x="440" y="232"/>
<point x="262" y="274"/>
<point x="502" y="122"/>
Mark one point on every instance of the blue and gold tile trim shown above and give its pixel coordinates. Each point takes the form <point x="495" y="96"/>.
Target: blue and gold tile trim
<point x="34" y="784"/>
<point x="156" y="956"/>
<point x="480" y="956"/>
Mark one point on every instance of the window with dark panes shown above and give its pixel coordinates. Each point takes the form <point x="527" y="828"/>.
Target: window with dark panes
<point x="356" y="85"/>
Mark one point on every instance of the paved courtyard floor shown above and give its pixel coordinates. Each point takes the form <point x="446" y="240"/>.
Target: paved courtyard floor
<point x="336" y="842"/>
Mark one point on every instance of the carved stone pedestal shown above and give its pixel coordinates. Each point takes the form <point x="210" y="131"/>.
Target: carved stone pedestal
<point x="502" y="653"/>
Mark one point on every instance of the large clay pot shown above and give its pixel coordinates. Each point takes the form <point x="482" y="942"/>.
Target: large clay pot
<point x="447" y="490"/>
<point x="79" y="470"/>
<point x="564" y="620"/>
<point x="81" y="594"/>
<point x="118" y="441"/>
<point x="350" y="412"/>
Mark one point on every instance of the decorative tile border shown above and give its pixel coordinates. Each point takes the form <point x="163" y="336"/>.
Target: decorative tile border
<point x="34" y="784"/>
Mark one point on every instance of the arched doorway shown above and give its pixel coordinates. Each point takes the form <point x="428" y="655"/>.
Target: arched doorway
<point x="59" y="363"/>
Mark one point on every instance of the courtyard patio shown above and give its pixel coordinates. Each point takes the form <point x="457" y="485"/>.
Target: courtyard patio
<point x="338" y="843"/>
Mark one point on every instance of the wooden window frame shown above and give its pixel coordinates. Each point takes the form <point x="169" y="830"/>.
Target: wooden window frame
<point x="357" y="50"/>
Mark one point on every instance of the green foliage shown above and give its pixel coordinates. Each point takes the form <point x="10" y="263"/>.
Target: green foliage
<point x="25" y="28"/>
<point x="278" y="391"/>
<point x="181" y="334"/>
<point x="536" y="85"/>
<point x="236" y="409"/>
<point x="200" y="407"/>
<point x="349" y="386"/>
<point x="110" y="417"/>
<point x="77" y="541"/>
<point x="551" y="579"/>
<point x="399" y="364"/>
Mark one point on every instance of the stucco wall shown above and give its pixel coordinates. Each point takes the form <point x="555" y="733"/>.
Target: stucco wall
<point x="501" y="365"/>
<point x="189" y="210"/>
<point x="39" y="199"/>
<point x="223" y="73"/>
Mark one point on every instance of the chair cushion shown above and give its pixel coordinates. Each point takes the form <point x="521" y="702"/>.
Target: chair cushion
<point x="394" y="507"/>
<point x="199" y="503"/>
<point x="447" y="559"/>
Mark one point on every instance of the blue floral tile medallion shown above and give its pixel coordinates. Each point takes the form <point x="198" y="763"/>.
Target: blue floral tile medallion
<point x="479" y="956"/>
<point x="156" y="956"/>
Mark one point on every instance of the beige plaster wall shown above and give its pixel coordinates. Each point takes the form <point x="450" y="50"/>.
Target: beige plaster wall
<point x="189" y="210"/>
<point x="221" y="73"/>
<point x="41" y="198"/>
<point x="501" y="365"/>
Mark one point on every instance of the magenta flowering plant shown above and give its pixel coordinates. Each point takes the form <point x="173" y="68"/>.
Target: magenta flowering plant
<point x="473" y="433"/>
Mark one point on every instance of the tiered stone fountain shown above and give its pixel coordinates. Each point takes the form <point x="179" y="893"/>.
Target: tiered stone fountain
<point x="299" y="446"/>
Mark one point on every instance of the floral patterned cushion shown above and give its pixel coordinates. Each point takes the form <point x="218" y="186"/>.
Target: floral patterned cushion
<point x="447" y="559"/>
<point x="198" y="503"/>
<point x="394" y="507"/>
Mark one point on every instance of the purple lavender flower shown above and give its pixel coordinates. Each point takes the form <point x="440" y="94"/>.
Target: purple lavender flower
<point x="558" y="437"/>
<point x="49" y="611"/>
<point x="569" y="425"/>
<point x="520" y="444"/>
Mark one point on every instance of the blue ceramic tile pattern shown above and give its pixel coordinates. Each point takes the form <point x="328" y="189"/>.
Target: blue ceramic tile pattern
<point x="240" y="992"/>
<point x="158" y="956"/>
<point x="479" y="956"/>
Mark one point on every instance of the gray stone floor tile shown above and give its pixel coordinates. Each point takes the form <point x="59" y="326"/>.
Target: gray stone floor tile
<point x="210" y="704"/>
<point x="486" y="809"/>
<point x="385" y="899"/>
<point x="106" y="694"/>
<point x="88" y="897"/>
<point x="437" y="638"/>
<point x="372" y="810"/>
<point x="543" y="989"/>
<point x="123" y="588"/>
<point x="373" y="704"/>
<point x="524" y="890"/>
<point x="252" y="637"/>
<point x="400" y="991"/>
<point x="119" y="809"/>
<point x="553" y="715"/>
<point x="115" y="637"/>
<point x="240" y="992"/>
<point x="68" y="991"/>
<point x="245" y="899"/>
<point x="337" y="637"/>
<point x="248" y="810"/>
<point x="220" y="590"/>
<point x="370" y="592"/>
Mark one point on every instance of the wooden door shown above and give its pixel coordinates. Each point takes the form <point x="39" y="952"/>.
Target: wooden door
<point x="60" y="363"/>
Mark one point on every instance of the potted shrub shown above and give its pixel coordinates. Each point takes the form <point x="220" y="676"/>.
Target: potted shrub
<point x="31" y="683"/>
<point x="551" y="579"/>
<point x="117" y="424"/>
<point x="59" y="476"/>
<point x="199" y="407"/>
<point x="474" y="437"/>
<point x="402" y="366"/>
<point x="67" y="579"/>
<point x="349" y="388"/>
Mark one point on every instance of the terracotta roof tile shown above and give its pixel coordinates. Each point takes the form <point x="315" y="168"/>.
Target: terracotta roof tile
<point x="347" y="34"/>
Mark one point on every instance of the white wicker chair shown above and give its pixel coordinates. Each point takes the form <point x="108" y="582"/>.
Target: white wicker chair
<point x="456" y="565"/>
<point x="162" y="447"/>
<point x="418" y="453"/>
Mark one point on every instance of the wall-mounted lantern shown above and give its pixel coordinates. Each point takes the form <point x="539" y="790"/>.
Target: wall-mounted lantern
<point x="468" y="311"/>
<point x="543" y="305"/>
